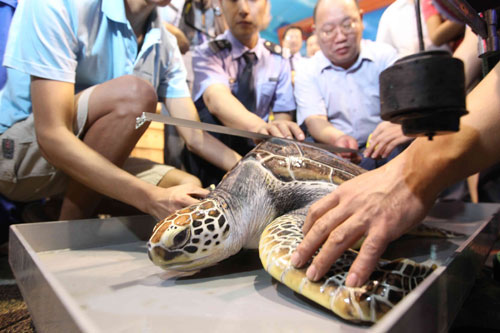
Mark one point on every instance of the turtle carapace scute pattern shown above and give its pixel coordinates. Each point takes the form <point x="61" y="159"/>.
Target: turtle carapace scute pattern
<point x="262" y="203"/>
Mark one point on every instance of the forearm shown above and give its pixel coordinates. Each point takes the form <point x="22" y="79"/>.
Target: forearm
<point x="209" y="148"/>
<point x="328" y="135"/>
<point x="200" y="142"/>
<point x="284" y="116"/>
<point x="54" y="112"/>
<point x="322" y="130"/>
<point x="449" y="158"/>
<point x="67" y="153"/>
<point x="223" y="105"/>
<point x="443" y="32"/>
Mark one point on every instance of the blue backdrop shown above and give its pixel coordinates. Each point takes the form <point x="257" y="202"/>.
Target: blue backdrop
<point x="285" y="12"/>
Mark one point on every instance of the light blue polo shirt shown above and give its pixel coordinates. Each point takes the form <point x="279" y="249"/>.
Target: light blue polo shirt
<point x="271" y="74"/>
<point x="85" y="42"/>
<point x="350" y="97"/>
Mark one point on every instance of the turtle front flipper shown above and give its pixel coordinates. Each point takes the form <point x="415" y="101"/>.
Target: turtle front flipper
<point x="387" y="285"/>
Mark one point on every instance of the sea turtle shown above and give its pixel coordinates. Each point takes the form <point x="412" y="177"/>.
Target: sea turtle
<point x="262" y="202"/>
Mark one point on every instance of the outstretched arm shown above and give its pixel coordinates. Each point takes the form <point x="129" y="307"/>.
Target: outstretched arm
<point x="198" y="141"/>
<point x="110" y="135"/>
<point x="228" y="109"/>
<point x="323" y="131"/>
<point x="384" y="203"/>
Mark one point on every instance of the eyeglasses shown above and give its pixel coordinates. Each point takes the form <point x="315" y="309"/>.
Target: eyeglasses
<point x="347" y="28"/>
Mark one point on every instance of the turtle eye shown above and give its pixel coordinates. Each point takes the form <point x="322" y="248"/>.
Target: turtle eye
<point x="181" y="238"/>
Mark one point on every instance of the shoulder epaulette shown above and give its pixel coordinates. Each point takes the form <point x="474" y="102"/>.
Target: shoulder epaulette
<point x="219" y="44"/>
<point x="273" y="48"/>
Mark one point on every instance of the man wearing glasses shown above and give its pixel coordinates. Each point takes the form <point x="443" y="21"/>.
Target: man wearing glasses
<point x="337" y="91"/>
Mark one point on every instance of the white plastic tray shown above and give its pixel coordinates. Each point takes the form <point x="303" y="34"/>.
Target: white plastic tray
<point x="95" y="276"/>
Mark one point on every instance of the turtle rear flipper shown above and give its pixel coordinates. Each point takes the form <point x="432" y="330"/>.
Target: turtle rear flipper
<point x="277" y="243"/>
<point x="387" y="285"/>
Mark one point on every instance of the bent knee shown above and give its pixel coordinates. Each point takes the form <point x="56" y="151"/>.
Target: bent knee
<point x="136" y="95"/>
<point x="178" y="177"/>
<point x="190" y="179"/>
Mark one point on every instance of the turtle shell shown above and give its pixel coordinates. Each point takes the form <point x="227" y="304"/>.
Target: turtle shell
<point x="294" y="161"/>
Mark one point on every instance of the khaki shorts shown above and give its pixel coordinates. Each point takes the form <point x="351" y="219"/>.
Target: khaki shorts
<point x="26" y="176"/>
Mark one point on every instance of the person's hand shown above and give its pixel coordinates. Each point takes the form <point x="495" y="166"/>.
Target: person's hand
<point x="283" y="129"/>
<point x="165" y="201"/>
<point x="379" y="205"/>
<point x="347" y="141"/>
<point x="384" y="139"/>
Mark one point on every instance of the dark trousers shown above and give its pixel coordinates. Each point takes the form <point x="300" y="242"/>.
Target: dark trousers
<point x="366" y="162"/>
<point x="371" y="163"/>
<point x="489" y="184"/>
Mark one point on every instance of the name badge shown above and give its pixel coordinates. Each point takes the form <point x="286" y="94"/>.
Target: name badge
<point x="273" y="79"/>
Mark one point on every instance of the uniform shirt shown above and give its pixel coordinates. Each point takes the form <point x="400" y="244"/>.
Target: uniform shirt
<point x="348" y="97"/>
<point x="271" y="74"/>
<point x="398" y="28"/>
<point x="85" y="42"/>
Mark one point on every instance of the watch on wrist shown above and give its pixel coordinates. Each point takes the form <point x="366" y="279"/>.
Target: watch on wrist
<point x="217" y="11"/>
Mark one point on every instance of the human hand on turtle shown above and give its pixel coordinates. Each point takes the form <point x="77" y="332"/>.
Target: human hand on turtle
<point x="384" y="139"/>
<point x="347" y="141"/>
<point x="165" y="201"/>
<point x="283" y="129"/>
<point x="381" y="205"/>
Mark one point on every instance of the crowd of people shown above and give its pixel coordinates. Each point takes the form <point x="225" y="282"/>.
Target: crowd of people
<point x="78" y="73"/>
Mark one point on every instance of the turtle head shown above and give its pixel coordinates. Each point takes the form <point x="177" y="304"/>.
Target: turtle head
<point x="191" y="238"/>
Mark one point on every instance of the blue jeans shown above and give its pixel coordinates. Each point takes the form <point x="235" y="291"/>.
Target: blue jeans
<point x="366" y="162"/>
<point x="370" y="163"/>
